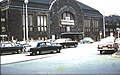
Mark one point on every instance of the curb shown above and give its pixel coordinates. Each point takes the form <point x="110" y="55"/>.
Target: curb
<point x="116" y="55"/>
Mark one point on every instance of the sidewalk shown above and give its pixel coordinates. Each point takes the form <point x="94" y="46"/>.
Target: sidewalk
<point x="116" y="54"/>
<point x="9" y="59"/>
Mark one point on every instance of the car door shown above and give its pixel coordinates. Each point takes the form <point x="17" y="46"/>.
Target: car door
<point x="42" y="46"/>
<point x="48" y="46"/>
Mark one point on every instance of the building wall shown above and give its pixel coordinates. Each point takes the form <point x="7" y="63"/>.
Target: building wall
<point x="92" y="27"/>
<point x="64" y="6"/>
<point x="112" y="22"/>
<point x="42" y="23"/>
<point x="14" y="24"/>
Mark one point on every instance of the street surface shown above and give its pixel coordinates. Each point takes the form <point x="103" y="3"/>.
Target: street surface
<point x="85" y="59"/>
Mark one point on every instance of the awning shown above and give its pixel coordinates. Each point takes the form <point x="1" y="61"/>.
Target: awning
<point x="72" y="33"/>
<point x="3" y="35"/>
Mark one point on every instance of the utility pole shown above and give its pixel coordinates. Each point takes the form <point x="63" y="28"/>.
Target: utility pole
<point x="23" y="23"/>
<point x="103" y="25"/>
<point x="26" y="20"/>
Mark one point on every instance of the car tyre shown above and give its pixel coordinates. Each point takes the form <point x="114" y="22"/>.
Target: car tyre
<point x="33" y="53"/>
<point x="65" y="46"/>
<point x="19" y="51"/>
<point x="0" y="53"/>
<point x="75" y="45"/>
<point x="102" y="52"/>
<point x="39" y="52"/>
<point x="58" y="50"/>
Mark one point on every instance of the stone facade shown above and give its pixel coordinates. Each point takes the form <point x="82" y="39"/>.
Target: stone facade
<point x="65" y="6"/>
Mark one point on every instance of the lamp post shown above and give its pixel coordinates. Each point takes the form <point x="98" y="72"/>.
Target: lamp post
<point x="24" y="23"/>
<point x="118" y="30"/>
<point x="26" y="19"/>
<point x="104" y="25"/>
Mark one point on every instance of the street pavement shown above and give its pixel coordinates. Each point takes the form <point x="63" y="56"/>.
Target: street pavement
<point x="116" y="54"/>
<point x="16" y="58"/>
<point x="85" y="59"/>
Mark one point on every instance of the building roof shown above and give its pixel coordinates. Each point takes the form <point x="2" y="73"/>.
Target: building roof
<point x="36" y="1"/>
<point x="87" y="10"/>
<point x="45" y="4"/>
<point x="33" y="4"/>
<point x="83" y="6"/>
<point x="112" y="18"/>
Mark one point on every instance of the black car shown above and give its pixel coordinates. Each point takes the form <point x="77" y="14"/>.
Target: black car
<point x="45" y="46"/>
<point x="66" y="43"/>
<point x="10" y="48"/>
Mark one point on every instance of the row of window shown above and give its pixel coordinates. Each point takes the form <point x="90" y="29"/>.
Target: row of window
<point x="87" y="23"/>
<point x="3" y="29"/>
<point x="110" y="29"/>
<point x="67" y="16"/>
<point x="41" y="23"/>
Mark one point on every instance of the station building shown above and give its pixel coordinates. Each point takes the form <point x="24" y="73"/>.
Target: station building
<point x="47" y="18"/>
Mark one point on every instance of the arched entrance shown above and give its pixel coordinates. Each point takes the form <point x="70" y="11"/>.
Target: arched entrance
<point x="68" y="26"/>
<point x="67" y="21"/>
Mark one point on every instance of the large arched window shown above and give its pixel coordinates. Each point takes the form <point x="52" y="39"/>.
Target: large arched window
<point x="66" y="15"/>
<point x="67" y="22"/>
<point x="67" y="18"/>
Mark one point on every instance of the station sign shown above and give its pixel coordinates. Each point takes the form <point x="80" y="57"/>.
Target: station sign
<point x="67" y="21"/>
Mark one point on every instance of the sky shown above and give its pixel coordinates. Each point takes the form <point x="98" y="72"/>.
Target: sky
<point x="106" y="7"/>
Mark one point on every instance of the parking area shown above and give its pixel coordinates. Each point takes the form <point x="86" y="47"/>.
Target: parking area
<point x="16" y="58"/>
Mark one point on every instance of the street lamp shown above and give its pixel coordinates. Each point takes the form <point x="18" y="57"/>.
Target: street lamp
<point x="24" y="24"/>
<point x="118" y="30"/>
<point x="104" y="25"/>
<point x="26" y="19"/>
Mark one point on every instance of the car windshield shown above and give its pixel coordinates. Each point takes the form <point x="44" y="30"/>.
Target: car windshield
<point x="60" y="40"/>
<point x="48" y="43"/>
<point x="7" y="45"/>
<point x="86" y="39"/>
<point x="41" y="44"/>
<point x="2" y="45"/>
<point x="108" y="40"/>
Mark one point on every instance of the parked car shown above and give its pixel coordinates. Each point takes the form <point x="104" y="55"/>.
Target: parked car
<point x="10" y="48"/>
<point x="29" y="44"/>
<point x="50" y="40"/>
<point x="107" y="44"/>
<point x="86" y="40"/>
<point x="45" y="46"/>
<point x="67" y="43"/>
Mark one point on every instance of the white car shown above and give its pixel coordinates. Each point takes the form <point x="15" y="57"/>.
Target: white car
<point x="117" y="41"/>
<point x="107" y="45"/>
<point x="30" y="44"/>
<point x="86" y="40"/>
